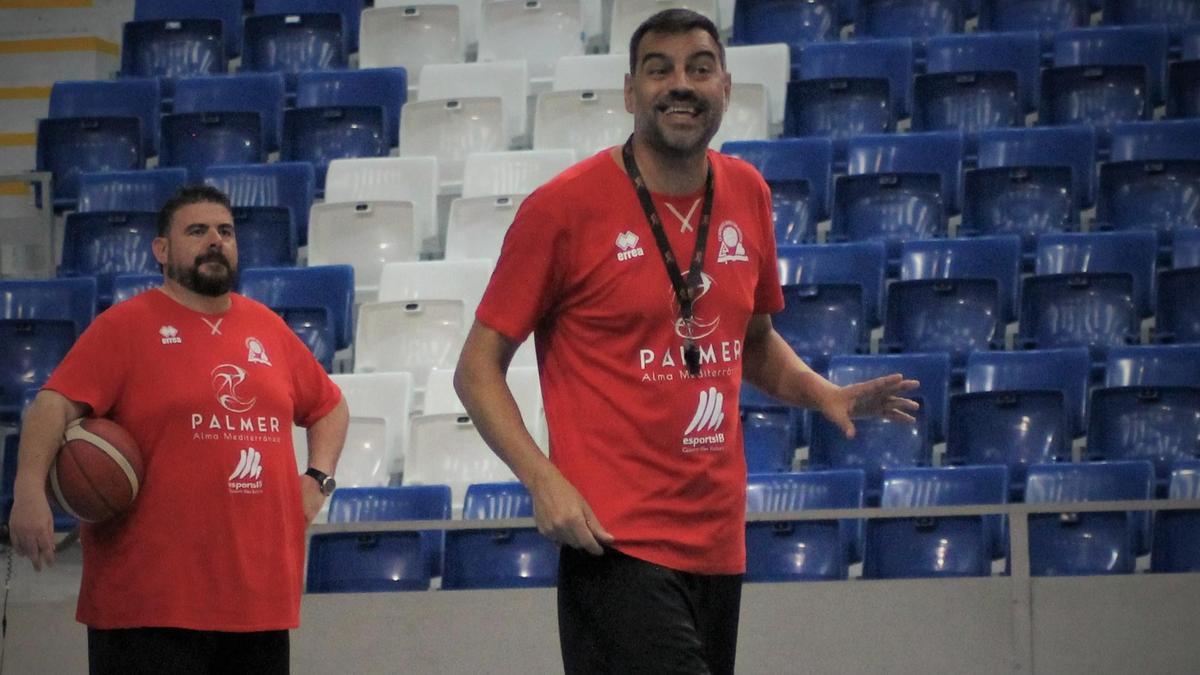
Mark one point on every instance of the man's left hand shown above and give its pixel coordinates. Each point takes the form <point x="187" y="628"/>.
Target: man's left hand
<point x="880" y="397"/>
<point x="310" y="495"/>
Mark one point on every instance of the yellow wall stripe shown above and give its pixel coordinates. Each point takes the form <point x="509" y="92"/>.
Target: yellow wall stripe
<point x="13" y="140"/>
<point x="69" y="44"/>
<point x="22" y="93"/>
<point x="44" y="4"/>
<point x="14" y="189"/>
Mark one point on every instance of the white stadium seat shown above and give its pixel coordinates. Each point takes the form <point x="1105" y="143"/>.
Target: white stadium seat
<point x="365" y="235"/>
<point x="384" y="179"/>
<point x="468" y="12"/>
<point x="450" y="130"/>
<point x="387" y="396"/>
<point x="410" y="37"/>
<point x="507" y="79"/>
<point x="446" y="449"/>
<point x="627" y="15"/>
<point x="477" y="225"/>
<point x="591" y="72"/>
<point x="516" y="172"/>
<point x="413" y="337"/>
<point x="539" y="31"/>
<point x="768" y="65"/>
<point x="585" y="121"/>
<point x="746" y="119"/>
<point x="461" y="280"/>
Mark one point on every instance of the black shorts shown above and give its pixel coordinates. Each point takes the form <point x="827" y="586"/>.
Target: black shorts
<point x="618" y="614"/>
<point x="133" y="651"/>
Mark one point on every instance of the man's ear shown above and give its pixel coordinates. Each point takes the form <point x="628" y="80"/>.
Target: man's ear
<point x="159" y="247"/>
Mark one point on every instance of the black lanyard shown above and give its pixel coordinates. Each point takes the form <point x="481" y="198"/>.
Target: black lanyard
<point x="683" y="289"/>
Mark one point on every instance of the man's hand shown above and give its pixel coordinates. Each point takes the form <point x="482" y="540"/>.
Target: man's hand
<point x="310" y="495"/>
<point x="31" y="527"/>
<point x="880" y="397"/>
<point x="563" y="516"/>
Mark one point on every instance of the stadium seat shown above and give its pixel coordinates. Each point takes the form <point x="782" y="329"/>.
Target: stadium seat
<point x="30" y="349"/>
<point x="172" y="48"/>
<point x="996" y="258"/>
<point x="1097" y="310"/>
<point x="538" y="31"/>
<point x="1183" y="89"/>
<point x="627" y="15"/>
<point x="383" y="87"/>
<point x="130" y="97"/>
<point x="879" y="444"/>
<point x="1022" y="201"/>
<point x="940" y="153"/>
<point x="383" y="396"/>
<point x="966" y="102"/>
<point x="747" y="116"/>
<point x="103" y="244"/>
<point x="321" y="135"/>
<point x="591" y="72"/>
<point x="801" y="550"/>
<point x="1156" y="423"/>
<point x="1178" y="317"/>
<point x="145" y="190"/>
<point x="412" y="336"/>
<point x="228" y="12"/>
<point x="1072" y="147"/>
<point x="461" y="280"/>
<point x="375" y="181"/>
<point x="1086" y="543"/>
<point x="1015" y="427"/>
<point x="1018" y="53"/>
<point x="477" y="226"/>
<point x="287" y="184"/>
<point x="491" y="174"/>
<point x="523" y="382"/>
<point x="451" y="129"/>
<point x="411" y="37"/>
<point x="1132" y="253"/>
<point x="955" y="316"/>
<point x="951" y="546"/>
<point x="859" y="263"/>
<point x="266" y="236"/>
<point x="365" y="235"/>
<point x="1171" y="13"/>
<point x="791" y="22"/>
<point x="349" y="10"/>
<point x="446" y="449"/>
<point x="71" y="300"/>
<point x="768" y="438"/>
<point x="379" y="561"/>
<point x="127" y="286"/>
<point x="516" y="558"/>
<point x="196" y="141"/>
<point x="768" y="65"/>
<point x="916" y="19"/>
<point x="1064" y="370"/>
<point x="1099" y="95"/>
<point x="73" y="146"/>
<point x="508" y="80"/>
<point x="799" y="171"/>
<point x="822" y="320"/>
<point x="1153" y="366"/>
<point x="1186" y="247"/>
<point x="260" y="93"/>
<point x="293" y="43"/>
<point x="1045" y="16"/>
<point x="888" y="207"/>
<point x="316" y="303"/>
<point x="1144" y="46"/>
<point x="584" y="120"/>
<point x="931" y="370"/>
<point x="1176" y="532"/>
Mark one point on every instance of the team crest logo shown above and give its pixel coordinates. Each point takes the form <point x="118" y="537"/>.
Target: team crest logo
<point x="256" y="353"/>
<point x="732" y="249"/>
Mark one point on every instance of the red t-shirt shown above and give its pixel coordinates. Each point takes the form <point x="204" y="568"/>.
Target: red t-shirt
<point x="655" y="452"/>
<point x="215" y="538"/>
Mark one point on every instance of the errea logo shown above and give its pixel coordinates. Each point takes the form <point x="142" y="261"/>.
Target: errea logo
<point x="627" y="242"/>
<point x="170" y="335"/>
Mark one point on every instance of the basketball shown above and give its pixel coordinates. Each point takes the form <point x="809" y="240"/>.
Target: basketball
<point x="97" y="472"/>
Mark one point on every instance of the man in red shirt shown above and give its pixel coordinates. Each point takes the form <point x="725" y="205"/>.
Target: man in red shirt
<point x="647" y="275"/>
<point x="203" y="573"/>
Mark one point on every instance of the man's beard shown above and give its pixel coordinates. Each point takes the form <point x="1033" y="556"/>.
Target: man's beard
<point x="680" y="149"/>
<point x="191" y="278"/>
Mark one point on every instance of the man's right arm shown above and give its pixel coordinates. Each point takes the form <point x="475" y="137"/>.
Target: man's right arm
<point x="31" y="524"/>
<point x="561" y="513"/>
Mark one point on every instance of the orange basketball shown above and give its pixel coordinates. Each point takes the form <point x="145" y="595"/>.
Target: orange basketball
<point x="97" y="472"/>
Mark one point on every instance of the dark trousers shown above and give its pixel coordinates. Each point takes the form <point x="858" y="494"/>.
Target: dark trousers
<point x="134" y="651"/>
<point x="618" y="614"/>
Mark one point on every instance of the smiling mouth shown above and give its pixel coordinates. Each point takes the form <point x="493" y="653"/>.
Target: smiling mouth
<point x="679" y="109"/>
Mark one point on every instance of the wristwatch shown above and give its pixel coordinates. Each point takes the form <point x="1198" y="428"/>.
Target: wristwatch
<point x="324" y="480"/>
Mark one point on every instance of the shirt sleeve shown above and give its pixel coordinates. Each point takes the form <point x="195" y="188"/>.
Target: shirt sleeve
<point x="768" y="296"/>
<point x="527" y="282"/>
<point x="314" y="393"/>
<point x="93" y="371"/>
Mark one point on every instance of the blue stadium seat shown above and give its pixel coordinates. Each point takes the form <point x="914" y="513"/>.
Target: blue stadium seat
<point x="1170" y="12"/>
<point x="793" y="22"/>
<point x="821" y="320"/>
<point x="321" y="135"/>
<point x="126" y="286"/>
<point x="1062" y="370"/>
<point x="266" y="236"/>
<point x="103" y="244"/>
<point x="1044" y="16"/>
<point x="131" y="97"/>
<point x="1176" y="532"/>
<point x="1189" y="42"/>
<point x="30" y="349"/>
<point x="891" y="208"/>
<point x="940" y="153"/>
<point x="1025" y="201"/>
<point x="73" y="146"/>
<point x="316" y="302"/>
<point x="1086" y="543"/>
<point x="769" y="439"/>
<point x="1071" y="147"/>
<point x="519" y="558"/>
<point x="1156" y="423"/>
<point x="1096" y="310"/>
<point x="260" y="93"/>
<point x="1153" y="366"/>
<point x="1144" y="46"/>
<point x="1132" y="253"/>
<point x="799" y="171"/>
<point x="384" y="87"/>
<point x="173" y="48"/>
<point x="955" y="316"/>
<point x="967" y="102"/>
<point x="1018" y="53"/>
<point x="878" y="444"/>
<point x="1186" y="247"/>
<point x="197" y="140"/>
<point x="752" y="400"/>
<point x="838" y="108"/>
<point x="890" y="59"/>
<point x="862" y="263"/>
<point x="801" y="550"/>
<point x="379" y="561"/>
<point x="71" y="300"/>
<point x="1178" y="318"/>
<point x="228" y="12"/>
<point x="293" y="43"/>
<point x="1097" y="95"/>
<point x="931" y="370"/>
<point x="349" y="10"/>
<point x="289" y="184"/>
<point x="996" y="258"/>
<point x="1016" y="428"/>
<point x="952" y="546"/>
<point x="145" y="190"/>
<point x="1183" y="89"/>
<point x="909" y="18"/>
<point x="1159" y="140"/>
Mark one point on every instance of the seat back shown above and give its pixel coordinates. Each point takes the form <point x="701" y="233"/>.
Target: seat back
<point x="1158" y="140"/>
<point x="1097" y="95"/>
<point x="822" y="320"/>
<point x="862" y="263"/>
<point x="785" y="21"/>
<point x="1094" y="309"/>
<point x="293" y="43"/>
<point x="997" y="258"/>
<point x="1183" y="89"/>
<point x="383" y="87"/>
<point x="30" y="349"/>
<point x="490" y="174"/>
<point x="1160" y="424"/>
<point x="451" y="129"/>
<point x="538" y="31"/>
<point x="1072" y="147"/>
<point x="1144" y="46"/>
<point x="799" y="171"/>
<point x="519" y="558"/>
<point x="329" y="287"/>
<point x="879" y="444"/>
<point x="889" y="207"/>
<point x="909" y="18"/>
<point x="172" y="48"/>
<point x="1178" y="318"/>
<point x="957" y="316"/>
<point x="127" y="97"/>
<point x="1153" y="366"/>
<point x="198" y="140"/>
<point x="348" y="10"/>
<point x="1015" y="428"/>
<point x="1046" y="16"/>
<point x="286" y="184"/>
<point x="69" y="147"/>
<point x="477" y="226"/>
<point x="145" y="190"/>
<point x="266" y="236"/>
<point x="320" y="135"/>
<point x="1175" y="532"/>
<point x="42" y="299"/>
<point x="769" y="439"/>
<point x="938" y="153"/>
<point x="412" y="336"/>
<point x="1015" y="52"/>
<point x="462" y="280"/>
<point x="1023" y="201"/>
<point x="103" y="244"/>
<point x="1133" y="253"/>
<point x="1063" y="370"/>
<point x="261" y="93"/>
<point x="891" y="59"/>
<point x="508" y="80"/>
<point x="410" y="37"/>
<point x="839" y="108"/>
<point x="584" y="120"/>
<point x="228" y="12"/>
<point x="966" y="102"/>
<point x="388" y="179"/>
<point x="1186" y="246"/>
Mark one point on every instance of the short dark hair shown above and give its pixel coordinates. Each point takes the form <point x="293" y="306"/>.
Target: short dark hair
<point x="186" y="195"/>
<point x="674" y="22"/>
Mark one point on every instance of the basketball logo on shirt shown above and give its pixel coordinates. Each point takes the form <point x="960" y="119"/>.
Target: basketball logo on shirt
<point x="697" y="327"/>
<point x="256" y="353"/>
<point x="225" y="380"/>
<point x="732" y="249"/>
